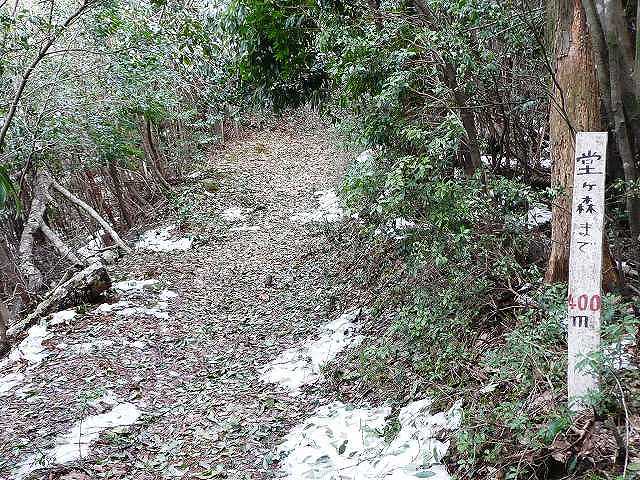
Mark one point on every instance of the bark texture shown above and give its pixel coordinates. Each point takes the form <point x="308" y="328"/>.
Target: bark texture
<point x="154" y="154"/>
<point x="117" y="186"/>
<point x="31" y="276"/>
<point x="86" y="286"/>
<point x="575" y="107"/>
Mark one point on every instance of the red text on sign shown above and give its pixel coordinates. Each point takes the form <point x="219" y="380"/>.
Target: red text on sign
<point x="584" y="302"/>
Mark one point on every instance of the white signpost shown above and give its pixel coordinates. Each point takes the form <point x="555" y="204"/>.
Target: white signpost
<point x="585" y="263"/>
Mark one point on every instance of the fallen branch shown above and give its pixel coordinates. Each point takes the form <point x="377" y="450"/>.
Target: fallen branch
<point x="93" y="214"/>
<point x="85" y="286"/>
<point x="64" y="251"/>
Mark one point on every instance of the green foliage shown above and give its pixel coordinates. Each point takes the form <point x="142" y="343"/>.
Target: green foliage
<point x="276" y="62"/>
<point x="7" y="190"/>
<point x="159" y="61"/>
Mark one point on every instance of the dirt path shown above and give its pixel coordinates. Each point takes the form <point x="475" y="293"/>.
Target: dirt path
<point x="183" y="354"/>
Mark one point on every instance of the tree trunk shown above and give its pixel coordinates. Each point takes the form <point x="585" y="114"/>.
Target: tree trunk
<point x="4" y="323"/>
<point x="472" y="159"/>
<point x="153" y="154"/>
<point x="575" y="107"/>
<point x="31" y="276"/>
<point x="85" y="286"/>
<point x="117" y="186"/>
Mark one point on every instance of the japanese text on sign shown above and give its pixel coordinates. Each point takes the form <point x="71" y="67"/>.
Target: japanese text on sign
<point x="585" y="264"/>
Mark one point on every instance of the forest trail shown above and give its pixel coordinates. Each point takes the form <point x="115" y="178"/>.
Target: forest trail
<point x="177" y="353"/>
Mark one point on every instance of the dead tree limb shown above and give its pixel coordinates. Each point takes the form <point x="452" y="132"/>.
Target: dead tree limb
<point x="93" y="214"/>
<point x="55" y="240"/>
<point x="85" y="286"/>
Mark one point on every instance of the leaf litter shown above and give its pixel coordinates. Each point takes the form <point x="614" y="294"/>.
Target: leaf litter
<point x="181" y="352"/>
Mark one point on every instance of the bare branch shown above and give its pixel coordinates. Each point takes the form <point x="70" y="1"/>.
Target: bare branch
<point x="83" y="8"/>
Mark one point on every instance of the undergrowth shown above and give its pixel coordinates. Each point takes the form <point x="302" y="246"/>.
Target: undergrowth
<point x="460" y="311"/>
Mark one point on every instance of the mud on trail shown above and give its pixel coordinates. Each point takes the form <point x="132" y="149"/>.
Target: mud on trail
<point x="179" y="349"/>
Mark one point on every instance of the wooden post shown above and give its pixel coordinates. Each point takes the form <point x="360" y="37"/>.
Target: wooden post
<point x="585" y="261"/>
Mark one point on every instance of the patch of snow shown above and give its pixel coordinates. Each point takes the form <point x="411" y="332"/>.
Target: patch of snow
<point x="234" y="214"/>
<point x="167" y="295"/>
<point x="127" y="309"/>
<point x="329" y="209"/>
<point x="76" y="443"/>
<point x="618" y="355"/>
<point x="628" y="270"/>
<point x="109" y="398"/>
<point x="365" y="157"/>
<point x="403" y="224"/>
<point x="163" y="240"/>
<point x="346" y="443"/>
<point x="93" y="246"/>
<point x="7" y="382"/>
<point x="245" y="228"/>
<point x="545" y="162"/>
<point x="63" y="316"/>
<point x="194" y="175"/>
<point x="88" y="347"/>
<point x="110" y="307"/>
<point x="301" y="365"/>
<point x="538" y="215"/>
<point x="31" y="348"/>
<point x="129" y="285"/>
<point x="395" y="228"/>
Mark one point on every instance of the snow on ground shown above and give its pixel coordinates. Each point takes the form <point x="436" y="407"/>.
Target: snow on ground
<point x="31" y="348"/>
<point x="195" y="373"/>
<point x="538" y="215"/>
<point x="126" y="309"/>
<point x="93" y="246"/>
<point x="31" y="351"/>
<point x="301" y="365"/>
<point x="76" y="443"/>
<point x="234" y="214"/>
<point x="163" y="239"/>
<point x="329" y="209"/>
<point x="132" y="285"/>
<point x="395" y="228"/>
<point x="348" y="443"/>
<point x="9" y="381"/>
<point x="112" y="307"/>
<point x="64" y="316"/>
<point x="167" y="295"/>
